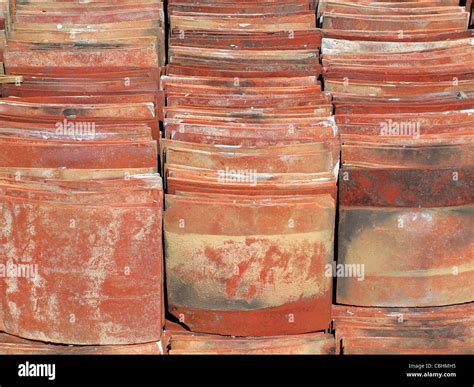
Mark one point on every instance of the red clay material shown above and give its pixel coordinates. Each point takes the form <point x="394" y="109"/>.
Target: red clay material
<point x="94" y="291"/>
<point x="182" y="342"/>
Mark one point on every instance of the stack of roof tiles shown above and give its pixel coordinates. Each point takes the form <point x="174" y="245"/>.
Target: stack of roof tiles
<point x="410" y="331"/>
<point x="402" y="79"/>
<point x="250" y="154"/>
<point x="81" y="199"/>
<point x="249" y="151"/>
